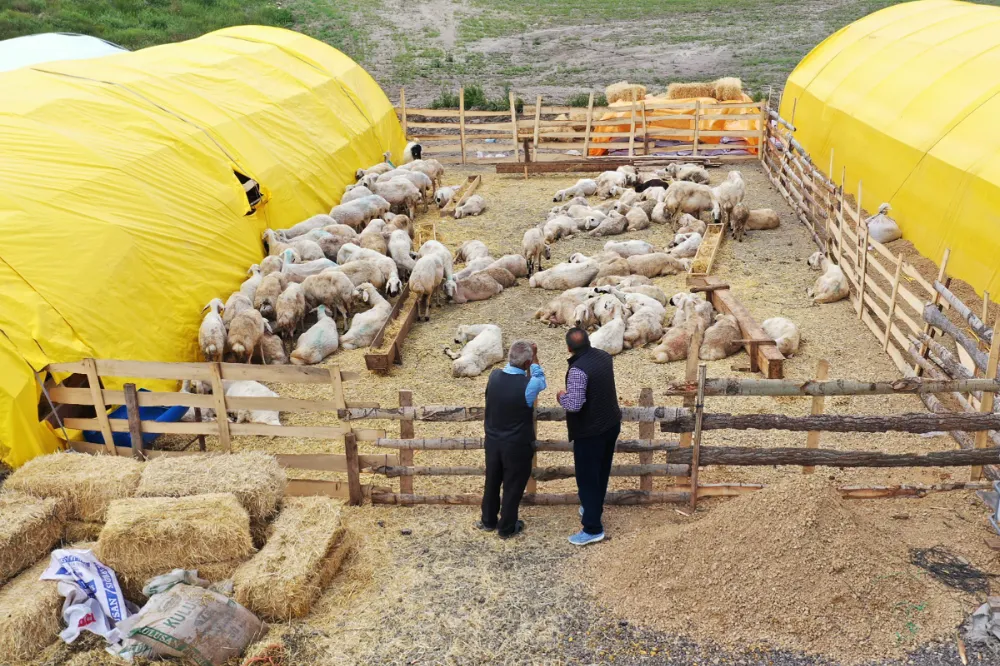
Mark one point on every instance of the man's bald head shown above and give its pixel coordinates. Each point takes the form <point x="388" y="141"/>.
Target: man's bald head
<point x="577" y="340"/>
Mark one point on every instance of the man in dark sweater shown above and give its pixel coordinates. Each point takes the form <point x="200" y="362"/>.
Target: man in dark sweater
<point x="594" y="421"/>
<point x="510" y="437"/>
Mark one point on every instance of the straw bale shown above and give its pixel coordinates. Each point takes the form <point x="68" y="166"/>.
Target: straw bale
<point x="89" y="482"/>
<point x="78" y="530"/>
<point x="690" y="90"/>
<point x="302" y="555"/>
<point x="728" y="89"/>
<point x="30" y="617"/>
<point x="174" y="532"/>
<point x="132" y="582"/>
<point x="623" y="91"/>
<point x="254" y="477"/>
<point x="29" y="528"/>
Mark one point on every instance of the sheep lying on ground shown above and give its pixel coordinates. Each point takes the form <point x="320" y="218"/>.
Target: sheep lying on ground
<point x="688" y="172"/>
<point x="637" y="219"/>
<point x="559" y="311"/>
<point x="598" y="310"/>
<point x="729" y="193"/>
<point x="656" y="264"/>
<point x="610" y="337"/>
<point x="722" y="339"/>
<point x="425" y="279"/>
<point x="784" y="332"/>
<point x="515" y="263"/>
<point x="612" y="225"/>
<point x="622" y="282"/>
<point x="483" y="348"/>
<point x="676" y="342"/>
<point x="318" y="341"/>
<point x="762" y="219"/>
<point x="629" y="248"/>
<point x="473" y="267"/>
<point x="565" y="276"/>
<point x="562" y="226"/>
<point x="212" y="333"/>
<point x="476" y="287"/>
<point x="444" y="195"/>
<point x="534" y="249"/>
<point x="366" y="324"/>
<point x="584" y="187"/>
<point x="474" y="205"/>
<point x="644" y="325"/>
<point x="689" y="223"/>
<point x="689" y="305"/>
<point x="832" y="285"/>
<point x="685" y="245"/>
<point x="501" y="275"/>
<point x="469" y="250"/>
<point x="607" y="180"/>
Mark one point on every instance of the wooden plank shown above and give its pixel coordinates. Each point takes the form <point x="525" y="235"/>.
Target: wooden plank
<point x="78" y="396"/>
<point x="538" y="120"/>
<point x="645" y="132"/>
<point x="134" y="421"/>
<point x="100" y="407"/>
<point x="767" y="359"/>
<point x="311" y="487"/>
<point x="614" y="497"/>
<point x="735" y="387"/>
<point x="892" y="302"/>
<point x="935" y="301"/>
<point x="353" y="469"/>
<point x="590" y="126"/>
<point x="986" y="403"/>
<point x="235" y="429"/>
<point x="337" y="385"/>
<point x="476" y="443"/>
<point x="406" y="431"/>
<point x="513" y="125"/>
<point x="812" y="437"/>
<point x="402" y="111"/>
<point x="221" y="412"/>
<point x="696" y="132"/>
<point x="631" y="131"/>
<point x="461" y="120"/>
<point x="647" y="430"/>
<point x="699" y="413"/>
<point x="332" y="462"/>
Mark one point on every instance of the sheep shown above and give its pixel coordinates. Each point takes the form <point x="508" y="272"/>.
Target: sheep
<point x="366" y="324"/>
<point x="212" y="333"/>
<point x="245" y="332"/>
<point x="314" y="222"/>
<point x="644" y="325"/>
<point x="688" y="172"/>
<point x="590" y="221"/>
<point x="402" y="195"/>
<point x="476" y="287"/>
<point x="660" y="214"/>
<point x="355" y="214"/>
<point x="689" y="223"/>
<point x="425" y="279"/>
<point x="435" y="247"/>
<point x="575" y="201"/>
<point x="473" y="267"/>
<point x="235" y="304"/>
<point x="599" y="310"/>
<point x="647" y="290"/>
<point x="560" y="309"/>
<point x="474" y="205"/>
<point x="685" y="245"/>
<point x="515" y="263"/>
<point x="882" y="228"/>
<point x="622" y="281"/>
<point x="577" y="211"/>
<point x="290" y="310"/>
<point x="585" y="187"/>
<point x="612" y="225"/>
<point x="360" y="272"/>
<point x="534" y="249"/>
<point x="372" y="238"/>
<point x="629" y="248"/>
<point x="394" y="222"/>
<point x="676" y="341"/>
<point x="654" y="195"/>
<point x="610" y="337"/>
<point x="483" y="348"/>
<point x="430" y="168"/>
<point x="655" y="264"/>
<point x="469" y="250"/>
<point x="630" y="174"/>
<point x="628" y="199"/>
<point x="637" y="219"/>
<point x="267" y="294"/>
<point x="738" y="221"/>
<point x="305" y="249"/>
<point x="332" y="289"/>
<point x="271" y="264"/>
<point x="729" y="193"/>
<point x="401" y="250"/>
<point x="699" y="307"/>
<point x="249" y="286"/>
<point x="299" y="272"/>
<point x="501" y="275"/>
<point x="722" y="339"/>
<point x="607" y="180"/>
<point x="444" y="195"/>
<point x="413" y="151"/>
<point x="617" y="266"/>
<point x="420" y="180"/>
<point x="653" y="183"/>
<point x="562" y="226"/>
<point x="565" y="276"/>
<point x="381" y="167"/>
<point x="692" y="198"/>
<point x="785" y="333"/>
<point x="341" y="234"/>
<point x="762" y="219"/>
<point x="318" y="341"/>
<point x="354" y="192"/>
<point x="832" y="285"/>
<point x="270" y="350"/>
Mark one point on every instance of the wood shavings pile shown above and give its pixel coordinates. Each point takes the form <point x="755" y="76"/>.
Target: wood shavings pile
<point x="793" y="566"/>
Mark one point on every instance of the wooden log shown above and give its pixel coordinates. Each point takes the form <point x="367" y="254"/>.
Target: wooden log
<point x="763" y="358"/>
<point x="221" y="413"/>
<point x="590" y="122"/>
<point x="917" y="491"/>
<point x="733" y="386"/>
<point x="461" y="120"/>
<point x="697" y="127"/>
<point x="134" y="421"/>
<point x="538" y="120"/>
<point x="964" y="440"/>
<point x="913" y="422"/>
<point x="691" y="374"/>
<point x="615" y="497"/>
<point x="455" y="413"/>
<point x="474" y="443"/>
<point x="405" y="433"/>
<point x="631" y="131"/>
<point x="935" y="299"/>
<point x="647" y="429"/>
<point x="740" y="456"/>
<point x="539" y="473"/>
<point x="986" y="404"/>
<point x="812" y="437"/>
<point x="699" y="415"/>
<point x="975" y="323"/>
<point x="936" y="318"/>
<point x="944" y="358"/>
<point x="355" y="495"/>
<point x="513" y="124"/>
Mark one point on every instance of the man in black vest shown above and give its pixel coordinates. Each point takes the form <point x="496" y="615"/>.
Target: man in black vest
<point x="510" y="437"/>
<point x="593" y="420"/>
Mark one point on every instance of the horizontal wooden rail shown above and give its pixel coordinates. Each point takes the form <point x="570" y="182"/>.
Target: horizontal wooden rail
<point x="615" y="497"/>
<point x="811" y="387"/>
<point x="539" y="473"/>
<point x="81" y="396"/>
<point x="210" y="428"/>
<point x="458" y="413"/>
<point x="472" y="443"/>
<point x="913" y="423"/>
<point x="290" y="374"/>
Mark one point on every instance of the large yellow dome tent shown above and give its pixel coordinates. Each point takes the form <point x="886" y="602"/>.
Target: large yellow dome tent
<point x="121" y="211"/>
<point x="907" y="100"/>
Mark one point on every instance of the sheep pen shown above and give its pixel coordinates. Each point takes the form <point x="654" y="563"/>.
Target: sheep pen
<point x="440" y="562"/>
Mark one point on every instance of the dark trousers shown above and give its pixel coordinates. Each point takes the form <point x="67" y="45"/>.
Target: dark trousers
<point x="508" y="466"/>
<point x="592" y="457"/>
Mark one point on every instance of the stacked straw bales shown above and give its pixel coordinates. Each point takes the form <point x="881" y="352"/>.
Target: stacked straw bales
<point x="727" y="89"/>
<point x="29" y="528"/>
<point x="623" y="91"/>
<point x="305" y="549"/>
<point x="30" y="615"/>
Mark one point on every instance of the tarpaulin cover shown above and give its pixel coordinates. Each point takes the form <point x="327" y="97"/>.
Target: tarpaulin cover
<point x="121" y="214"/>
<point x="907" y="100"/>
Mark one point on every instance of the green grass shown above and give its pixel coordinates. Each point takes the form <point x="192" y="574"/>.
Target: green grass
<point x="477" y="99"/>
<point x="136" y="24"/>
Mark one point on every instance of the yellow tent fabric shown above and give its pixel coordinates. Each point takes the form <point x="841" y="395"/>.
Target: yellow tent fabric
<point x="120" y="209"/>
<point x="907" y="100"/>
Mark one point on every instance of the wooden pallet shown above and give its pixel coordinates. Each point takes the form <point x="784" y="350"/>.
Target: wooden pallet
<point x="380" y="357"/>
<point x="702" y="263"/>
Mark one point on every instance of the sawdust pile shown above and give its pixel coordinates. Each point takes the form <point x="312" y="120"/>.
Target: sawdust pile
<point x="793" y="565"/>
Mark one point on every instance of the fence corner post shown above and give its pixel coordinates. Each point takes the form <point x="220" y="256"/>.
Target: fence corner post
<point x="355" y="493"/>
<point x="818" y="401"/>
<point x="647" y="431"/>
<point x="699" y="413"/>
<point x="406" y="432"/>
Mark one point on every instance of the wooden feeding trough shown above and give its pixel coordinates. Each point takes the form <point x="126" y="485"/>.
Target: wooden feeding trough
<point x="467" y="189"/>
<point x="702" y="263"/>
<point x="386" y="349"/>
<point x="764" y="355"/>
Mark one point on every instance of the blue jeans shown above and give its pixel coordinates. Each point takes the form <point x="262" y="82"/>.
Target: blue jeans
<point x="592" y="457"/>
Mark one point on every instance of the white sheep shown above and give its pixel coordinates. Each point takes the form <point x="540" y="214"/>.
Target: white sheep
<point x="647" y="290"/>
<point x="689" y="223"/>
<point x="622" y="282"/>
<point x="351" y="253"/>
<point x="444" y="195"/>
<point x="655" y="264"/>
<point x="515" y="263"/>
<point x="341" y="234"/>
<point x="599" y="310"/>
<point x="562" y="208"/>
<point x="762" y="219"/>
<point x="212" y="333"/>
<point x="425" y="279"/>
<point x="644" y="325"/>
<point x="367" y="324"/>
<point x="784" y="332"/>
<point x="360" y="272"/>
<point x="699" y="307"/>
<point x="630" y="174"/>
<point x="610" y="337"/>
<point x="692" y="198"/>
<point x="435" y="247"/>
<point x="637" y="219"/>
<point x="474" y="205"/>
<point x="430" y="168"/>
<point x="477" y="287"/>
<point x="402" y="195"/>
<point x="299" y="272"/>
<point x="738" y="221"/>
<point x="534" y="249"/>
<point x="729" y="193"/>
<point x="584" y="187"/>
<point x="615" y="223"/>
<point x="249" y="286"/>
<point x="483" y="348"/>
<point x="268" y="292"/>
<point x="355" y="214"/>
<point x="318" y="341"/>
<point x="354" y="192"/>
<point x="676" y="341"/>
<point x="562" y="226"/>
<point x="314" y="222"/>
<point x="235" y="304"/>
<point x="660" y="214"/>
<point x="469" y="250"/>
<point x="400" y="248"/>
<point x="420" y="180"/>
<point x="381" y="167"/>
<point x="290" y="310"/>
<point x="607" y="180"/>
<point x="331" y="289"/>
<point x="565" y="276"/>
<point x="270" y="350"/>
<point x="685" y="245"/>
<point x="629" y="248"/>
<point x="689" y="172"/>
<point x="832" y="285"/>
<point x="473" y="267"/>
<point x="560" y="309"/>
<point x="245" y="332"/>
<point x="722" y="339"/>
<point x="372" y="238"/>
<point x="882" y="228"/>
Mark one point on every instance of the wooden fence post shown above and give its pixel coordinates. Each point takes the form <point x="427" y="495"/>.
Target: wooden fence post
<point x="97" y="397"/>
<point x="590" y="122"/>
<point x="892" y="302"/>
<point x="221" y="413"/>
<point x="699" y="412"/>
<point x="538" y="122"/>
<point x="406" y="432"/>
<point x="631" y="134"/>
<point x="337" y="385"/>
<point x="765" y="127"/>
<point x="986" y="404"/>
<point x="840" y="217"/>
<point x="461" y="120"/>
<point x="402" y="109"/>
<point x="353" y="469"/>
<point x="936" y="301"/>
<point x="697" y="127"/>
<point x="690" y="375"/>
<point x="645" y="131"/>
<point x="513" y="124"/>
<point x="647" y="430"/>
<point x="134" y="421"/>
<point x="812" y="437"/>
<point x="532" y="486"/>
<point x="862" y="268"/>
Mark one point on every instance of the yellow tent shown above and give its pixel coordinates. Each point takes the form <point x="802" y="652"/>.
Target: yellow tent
<point x="121" y="211"/>
<point x="907" y="100"/>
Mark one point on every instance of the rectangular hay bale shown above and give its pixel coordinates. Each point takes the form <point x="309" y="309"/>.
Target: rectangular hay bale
<point x="302" y="554"/>
<point x="78" y="530"/>
<point x="89" y="483"/>
<point x="30" y="614"/>
<point x="174" y="532"/>
<point x="254" y="477"/>
<point x="29" y="528"/>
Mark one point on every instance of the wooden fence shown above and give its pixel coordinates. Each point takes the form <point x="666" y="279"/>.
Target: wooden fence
<point x="636" y="128"/>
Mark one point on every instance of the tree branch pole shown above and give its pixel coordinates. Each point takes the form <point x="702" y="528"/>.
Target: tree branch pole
<point x="938" y="319"/>
<point x="695" y="450"/>
<point x="977" y="325"/>
<point x="732" y="387"/>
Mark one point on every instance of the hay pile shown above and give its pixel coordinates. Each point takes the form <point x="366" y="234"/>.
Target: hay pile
<point x="145" y="537"/>
<point x="78" y="530"/>
<point x="623" y="91"/>
<point x="255" y="478"/>
<point x="305" y="549"/>
<point x="89" y="483"/>
<point x="30" y="614"/>
<point x="29" y="528"/>
<point x="793" y="565"/>
<point x="726" y="89"/>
